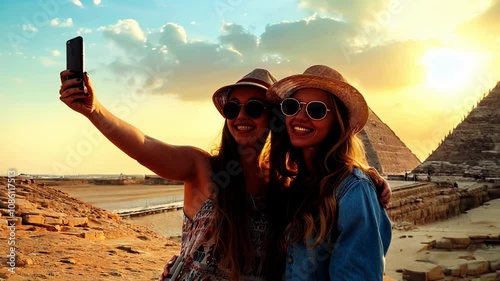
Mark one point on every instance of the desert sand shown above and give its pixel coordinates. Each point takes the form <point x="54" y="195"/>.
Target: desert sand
<point x="137" y="249"/>
<point x="408" y="246"/>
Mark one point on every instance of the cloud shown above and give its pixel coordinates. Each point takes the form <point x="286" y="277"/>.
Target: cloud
<point x="354" y="11"/>
<point x="83" y="30"/>
<point x="61" y="22"/>
<point x="310" y="40"/>
<point x="485" y="28"/>
<point x="238" y="38"/>
<point x="30" y="28"/>
<point x="321" y="40"/>
<point x="173" y="64"/>
<point x="97" y="2"/>
<point x="169" y="62"/>
<point x="172" y="35"/>
<point x="55" y="53"/>
<point x="392" y="66"/>
<point x="125" y="33"/>
<point x="77" y="3"/>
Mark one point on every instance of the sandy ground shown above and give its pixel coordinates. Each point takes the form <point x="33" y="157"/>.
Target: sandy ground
<point x="115" y="197"/>
<point x="406" y="246"/>
<point x="168" y="224"/>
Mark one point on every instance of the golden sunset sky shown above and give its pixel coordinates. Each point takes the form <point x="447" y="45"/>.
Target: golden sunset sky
<point x="421" y="65"/>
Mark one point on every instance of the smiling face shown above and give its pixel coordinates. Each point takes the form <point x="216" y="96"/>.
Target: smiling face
<point x="243" y="128"/>
<point x="305" y="132"/>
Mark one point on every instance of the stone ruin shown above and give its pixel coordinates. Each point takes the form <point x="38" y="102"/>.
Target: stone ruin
<point x="384" y="150"/>
<point x="460" y="258"/>
<point x="37" y="206"/>
<point x="472" y="149"/>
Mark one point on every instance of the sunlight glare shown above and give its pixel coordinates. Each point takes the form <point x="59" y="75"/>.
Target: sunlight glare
<point x="449" y="69"/>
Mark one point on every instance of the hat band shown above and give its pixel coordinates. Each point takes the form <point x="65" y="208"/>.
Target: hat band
<point x="253" y="80"/>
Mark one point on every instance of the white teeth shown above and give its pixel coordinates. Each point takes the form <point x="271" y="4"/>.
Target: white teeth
<point x="301" y="129"/>
<point x="243" y="128"/>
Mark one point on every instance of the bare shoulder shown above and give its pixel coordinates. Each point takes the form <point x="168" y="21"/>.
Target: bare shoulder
<point x="200" y="161"/>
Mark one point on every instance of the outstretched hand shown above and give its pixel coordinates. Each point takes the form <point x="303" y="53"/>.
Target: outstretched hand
<point x="80" y="99"/>
<point x="383" y="188"/>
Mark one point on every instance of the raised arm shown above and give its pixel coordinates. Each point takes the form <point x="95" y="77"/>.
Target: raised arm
<point x="183" y="163"/>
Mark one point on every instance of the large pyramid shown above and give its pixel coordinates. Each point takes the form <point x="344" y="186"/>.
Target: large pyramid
<point x="384" y="150"/>
<point x="473" y="147"/>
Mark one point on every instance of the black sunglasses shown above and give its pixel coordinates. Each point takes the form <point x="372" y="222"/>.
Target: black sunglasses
<point x="253" y="108"/>
<point x="316" y="110"/>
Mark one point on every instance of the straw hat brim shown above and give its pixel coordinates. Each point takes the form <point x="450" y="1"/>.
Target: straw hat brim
<point x="353" y="100"/>
<point x="221" y="96"/>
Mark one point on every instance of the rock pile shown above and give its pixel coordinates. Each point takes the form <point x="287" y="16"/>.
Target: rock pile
<point x="53" y="236"/>
<point x="37" y="206"/>
<point x="458" y="258"/>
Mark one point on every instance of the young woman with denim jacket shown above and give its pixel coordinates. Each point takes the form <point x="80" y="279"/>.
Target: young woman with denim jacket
<point x="328" y="219"/>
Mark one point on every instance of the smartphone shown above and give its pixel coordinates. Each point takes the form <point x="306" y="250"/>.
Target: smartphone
<point x="75" y="58"/>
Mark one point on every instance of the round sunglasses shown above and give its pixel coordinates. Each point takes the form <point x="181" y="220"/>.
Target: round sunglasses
<point x="253" y="108"/>
<point x="316" y="110"/>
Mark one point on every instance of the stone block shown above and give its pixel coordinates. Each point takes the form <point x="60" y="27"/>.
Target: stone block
<point x="72" y="221"/>
<point x="50" y="227"/>
<point x="93" y="235"/>
<point x="423" y="272"/>
<point x="33" y="219"/>
<point x="23" y="204"/>
<point x="495" y="265"/>
<point x="444" y="243"/>
<point x="44" y="213"/>
<point x="476" y="268"/>
<point x="22" y="193"/>
<point x="459" y="242"/>
<point x="17" y="220"/>
<point x="459" y="270"/>
<point x="492" y="276"/>
<point x="53" y="221"/>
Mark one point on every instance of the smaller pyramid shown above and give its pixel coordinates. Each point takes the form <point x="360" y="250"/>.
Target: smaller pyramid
<point x="384" y="150"/>
<point x="473" y="147"/>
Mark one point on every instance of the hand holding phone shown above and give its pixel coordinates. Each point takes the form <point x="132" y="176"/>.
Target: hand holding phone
<point x="75" y="59"/>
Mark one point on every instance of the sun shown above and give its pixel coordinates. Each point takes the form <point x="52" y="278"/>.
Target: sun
<point x="449" y="69"/>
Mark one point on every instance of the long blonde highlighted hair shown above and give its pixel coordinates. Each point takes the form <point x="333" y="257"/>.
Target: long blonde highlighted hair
<point x="313" y="198"/>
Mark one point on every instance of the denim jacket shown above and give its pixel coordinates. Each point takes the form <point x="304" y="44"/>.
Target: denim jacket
<point x="357" y="248"/>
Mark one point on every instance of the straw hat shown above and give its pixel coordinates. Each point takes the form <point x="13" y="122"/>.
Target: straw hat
<point x="329" y="80"/>
<point x="258" y="77"/>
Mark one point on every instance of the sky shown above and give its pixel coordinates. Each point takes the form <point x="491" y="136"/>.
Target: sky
<point x="421" y="66"/>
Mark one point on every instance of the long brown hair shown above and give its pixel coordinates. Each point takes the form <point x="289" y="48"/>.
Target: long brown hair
<point x="229" y="225"/>
<point x="309" y="207"/>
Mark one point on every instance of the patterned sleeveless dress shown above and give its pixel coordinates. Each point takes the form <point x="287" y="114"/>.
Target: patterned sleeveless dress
<point x="197" y="252"/>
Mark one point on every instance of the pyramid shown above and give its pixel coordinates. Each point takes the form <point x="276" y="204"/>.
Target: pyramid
<point x="473" y="147"/>
<point x="384" y="150"/>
